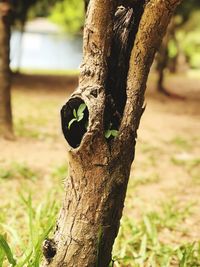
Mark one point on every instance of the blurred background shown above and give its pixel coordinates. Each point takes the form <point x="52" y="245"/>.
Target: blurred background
<point x="50" y="39"/>
<point x="161" y="221"/>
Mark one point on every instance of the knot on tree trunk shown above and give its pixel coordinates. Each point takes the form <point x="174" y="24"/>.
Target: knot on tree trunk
<point x="49" y="249"/>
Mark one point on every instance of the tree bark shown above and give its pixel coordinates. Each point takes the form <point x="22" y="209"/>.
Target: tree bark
<point x="6" y="129"/>
<point x="99" y="168"/>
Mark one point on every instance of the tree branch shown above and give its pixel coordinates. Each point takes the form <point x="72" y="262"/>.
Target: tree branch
<point x="96" y="48"/>
<point x="153" y="25"/>
<point x="98" y="28"/>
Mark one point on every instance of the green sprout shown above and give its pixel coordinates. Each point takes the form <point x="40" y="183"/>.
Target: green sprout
<point x="111" y="132"/>
<point x="78" y="115"/>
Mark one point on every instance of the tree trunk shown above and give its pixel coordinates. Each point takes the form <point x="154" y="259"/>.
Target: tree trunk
<point x="6" y="129"/>
<point x="99" y="166"/>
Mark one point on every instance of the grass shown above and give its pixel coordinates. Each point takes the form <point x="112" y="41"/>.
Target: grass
<point x="30" y="222"/>
<point x="144" y="180"/>
<point x="40" y="221"/>
<point x="30" y="128"/>
<point x="37" y="124"/>
<point x="191" y="166"/>
<point x="18" y="170"/>
<point x="180" y="142"/>
<point x="140" y="244"/>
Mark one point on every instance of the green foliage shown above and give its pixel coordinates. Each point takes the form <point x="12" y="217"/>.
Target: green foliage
<point x="41" y="8"/>
<point x="78" y="115"/>
<point x="186" y="8"/>
<point x="188" y="37"/>
<point x="187" y="32"/>
<point x="69" y="14"/>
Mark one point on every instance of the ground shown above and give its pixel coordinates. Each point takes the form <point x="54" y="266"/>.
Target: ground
<point x="161" y="221"/>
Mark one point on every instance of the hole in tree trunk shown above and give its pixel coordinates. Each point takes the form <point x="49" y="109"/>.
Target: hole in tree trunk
<point x="126" y="21"/>
<point x="118" y="65"/>
<point x="74" y="120"/>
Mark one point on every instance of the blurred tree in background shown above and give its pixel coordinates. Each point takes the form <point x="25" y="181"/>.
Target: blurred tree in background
<point x="187" y="32"/>
<point x="6" y="129"/>
<point x="11" y="12"/>
<point x="180" y="48"/>
<point x="20" y="10"/>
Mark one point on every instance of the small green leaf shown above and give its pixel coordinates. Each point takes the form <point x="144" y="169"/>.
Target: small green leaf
<point x="80" y="110"/>
<point x="114" y="133"/>
<point x="80" y="117"/>
<point x="4" y="245"/>
<point x="70" y="123"/>
<point x="107" y="134"/>
<point x="74" y="113"/>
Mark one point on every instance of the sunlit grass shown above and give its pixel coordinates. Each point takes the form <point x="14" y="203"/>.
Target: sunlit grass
<point x="18" y="170"/>
<point x="139" y="243"/>
<point x="181" y="142"/>
<point x="144" y="180"/>
<point x="36" y="118"/>
<point x="38" y="222"/>
<point x="31" y="217"/>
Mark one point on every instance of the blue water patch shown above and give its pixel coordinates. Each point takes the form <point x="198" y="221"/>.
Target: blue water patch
<point x="45" y="51"/>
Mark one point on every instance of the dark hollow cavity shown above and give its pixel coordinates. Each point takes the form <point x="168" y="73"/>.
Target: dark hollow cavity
<point x="126" y="22"/>
<point x="73" y="128"/>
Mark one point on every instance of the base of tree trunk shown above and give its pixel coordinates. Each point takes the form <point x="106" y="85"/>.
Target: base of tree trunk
<point x="7" y="135"/>
<point x="165" y="92"/>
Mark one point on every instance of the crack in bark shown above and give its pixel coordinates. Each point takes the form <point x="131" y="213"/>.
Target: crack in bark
<point x="73" y="187"/>
<point x="70" y="236"/>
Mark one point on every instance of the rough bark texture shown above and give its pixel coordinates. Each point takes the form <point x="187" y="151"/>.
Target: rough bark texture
<point x="98" y="167"/>
<point x="5" y="75"/>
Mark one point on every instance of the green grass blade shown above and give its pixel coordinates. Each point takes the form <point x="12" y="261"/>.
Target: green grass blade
<point x="2" y="255"/>
<point x="4" y="245"/>
<point x="143" y="247"/>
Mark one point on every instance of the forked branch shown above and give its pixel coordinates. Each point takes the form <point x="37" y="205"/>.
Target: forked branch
<point x="152" y="28"/>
